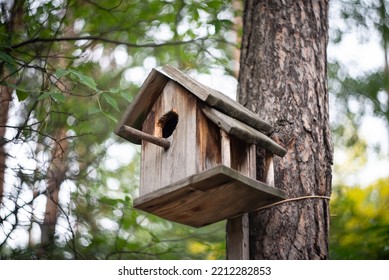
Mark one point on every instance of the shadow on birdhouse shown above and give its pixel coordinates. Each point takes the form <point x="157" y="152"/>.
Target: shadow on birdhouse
<point x="198" y="147"/>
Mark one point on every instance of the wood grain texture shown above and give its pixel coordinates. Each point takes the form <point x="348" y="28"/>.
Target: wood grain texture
<point x="208" y="197"/>
<point x="153" y="86"/>
<point x="283" y="79"/>
<point x="225" y="148"/>
<point x="237" y="238"/>
<point x="237" y="228"/>
<point x="194" y="143"/>
<point x="218" y="100"/>
<point x="208" y="152"/>
<point x="128" y="132"/>
<point x="140" y="107"/>
<point x="161" y="167"/>
<point x="243" y="131"/>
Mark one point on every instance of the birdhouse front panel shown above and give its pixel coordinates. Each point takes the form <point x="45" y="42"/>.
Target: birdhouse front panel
<point x="176" y="116"/>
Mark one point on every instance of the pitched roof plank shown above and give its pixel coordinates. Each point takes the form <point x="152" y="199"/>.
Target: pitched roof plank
<point x="243" y="131"/>
<point x="217" y="99"/>
<point x="140" y="107"/>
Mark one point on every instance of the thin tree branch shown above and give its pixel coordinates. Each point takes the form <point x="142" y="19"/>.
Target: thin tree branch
<point x="103" y="8"/>
<point x="106" y="40"/>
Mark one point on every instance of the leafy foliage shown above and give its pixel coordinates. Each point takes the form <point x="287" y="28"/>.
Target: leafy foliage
<point x="359" y="227"/>
<point x="75" y="65"/>
<point x="360" y="222"/>
<point x="357" y="94"/>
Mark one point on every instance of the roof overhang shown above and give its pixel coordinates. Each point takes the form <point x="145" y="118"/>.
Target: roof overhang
<point x="138" y="110"/>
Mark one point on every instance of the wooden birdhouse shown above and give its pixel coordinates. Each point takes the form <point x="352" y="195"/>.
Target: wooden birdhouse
<point x="198" y="151"/>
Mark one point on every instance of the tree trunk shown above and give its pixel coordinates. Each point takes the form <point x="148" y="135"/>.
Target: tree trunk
<point x="283" y="79"/>
<point x="13" y="26"/>
<point x="5" y="99"/>
<point x="55" y="176"/>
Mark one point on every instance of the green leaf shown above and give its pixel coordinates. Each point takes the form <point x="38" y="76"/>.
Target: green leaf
<point x="127" y="96"/>
<point x="82" y="78"/>
<point x="9" y="61"/>
<point x="58" y="96"/>
<point x="93" y="110"/>
<point x="44" y="95"/>
<point x="112" y="118"/>
<point x="114" y="90"/>
<point x="124" y="94"/>
<point x="86" y="80"/>
<point x="7" y="58"/>
<point x="62" y="73"/>
<point x="154" y="237"/>
<point x="111" y="101"/>
<point x="21" y="94"/>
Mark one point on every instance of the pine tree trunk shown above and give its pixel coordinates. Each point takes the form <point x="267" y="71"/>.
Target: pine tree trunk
<point x="283" y="79"/>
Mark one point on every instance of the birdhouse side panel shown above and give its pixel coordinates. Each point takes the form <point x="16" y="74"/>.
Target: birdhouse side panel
<point x="173" y="116"/>
<point x="208" y="141"/>
<point x="241" y="156"/>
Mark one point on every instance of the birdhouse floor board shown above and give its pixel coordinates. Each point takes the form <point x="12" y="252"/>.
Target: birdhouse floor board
<point x="208" y="197"/>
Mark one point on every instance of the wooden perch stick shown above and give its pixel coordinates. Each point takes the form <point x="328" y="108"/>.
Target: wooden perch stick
<point x="127" y="132"/>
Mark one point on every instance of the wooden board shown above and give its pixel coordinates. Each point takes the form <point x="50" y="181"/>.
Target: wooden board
<point x="140" y="107"/>
<point x="217" y="99"/>
<point x="242" y="157"/>
<point x="243" y="131"/>
<point x="208" y="197"/>
<point x="208" y="150"/>
<point x="153" y="86"/>
<point x="160" y="167"/>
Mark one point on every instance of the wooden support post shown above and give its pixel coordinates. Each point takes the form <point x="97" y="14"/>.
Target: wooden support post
<point x="238" y="227"/>
<point x="269" y="169"/>
<point x="226" y="148"/>
<point x="238" y="238"/>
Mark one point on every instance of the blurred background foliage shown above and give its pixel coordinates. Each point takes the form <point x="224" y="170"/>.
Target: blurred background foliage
<point x="69" y="69"/>
<point x="360" y="222"/>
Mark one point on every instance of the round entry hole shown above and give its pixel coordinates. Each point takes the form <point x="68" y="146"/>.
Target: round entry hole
<point x="167" y="124"/>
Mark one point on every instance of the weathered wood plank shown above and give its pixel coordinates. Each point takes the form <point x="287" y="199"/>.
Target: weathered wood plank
<point x="225" y="148"/>
<point x="269" y="170"/>
<point x="208" y="147"/>
<point x="237" y="229"/>
<point x="140" y="107"/>
<point x="217" y="99"/>
<point x="237" y="238"/>
<point x="208" y="197"/>
<point x="162" y="167"/>
<point x="243" y="131"/>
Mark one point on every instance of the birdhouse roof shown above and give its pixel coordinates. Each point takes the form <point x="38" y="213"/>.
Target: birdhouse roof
<point x="156" y="81"/>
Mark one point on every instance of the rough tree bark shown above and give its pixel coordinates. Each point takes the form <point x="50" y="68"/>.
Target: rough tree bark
<point x="283" y="79"/>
